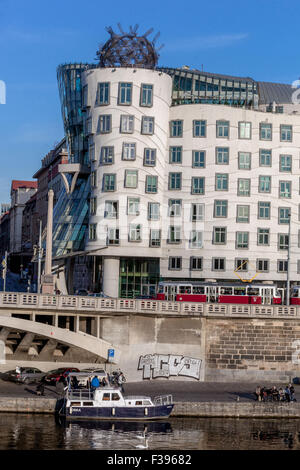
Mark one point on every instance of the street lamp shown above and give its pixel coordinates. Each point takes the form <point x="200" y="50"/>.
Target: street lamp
<point x="288" y="263"/>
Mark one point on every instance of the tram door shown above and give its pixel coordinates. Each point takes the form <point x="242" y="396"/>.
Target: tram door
<point x="266" y="295"/>
<point x="170" y="293"/>
<point x="282" y="292"/>
<point x="211" y="294"/>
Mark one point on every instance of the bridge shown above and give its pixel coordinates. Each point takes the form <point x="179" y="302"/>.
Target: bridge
<point x="74" y="329"/>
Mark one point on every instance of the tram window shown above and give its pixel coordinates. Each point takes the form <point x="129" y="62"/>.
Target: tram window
<point x="278" y="294"/>
<point x="253" y="291"/>
<point x="295" y="293"/>
<point x="226" y="290"/>
<point x="239" y="291"/>
<point x="184" y="289"/>
<point x="198" y="290"/>
<point x="161" y="289"/>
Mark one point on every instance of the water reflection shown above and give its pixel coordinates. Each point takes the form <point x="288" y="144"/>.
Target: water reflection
<point x="26" y="432"/>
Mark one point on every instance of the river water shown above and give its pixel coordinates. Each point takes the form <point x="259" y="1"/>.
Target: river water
<point x="44" y="432"/>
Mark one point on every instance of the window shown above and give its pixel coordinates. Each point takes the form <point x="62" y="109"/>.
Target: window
<point x="89" y="126"/>
<point x="196" y="239"/>
<point x="128" y="151"/>
<point x="264" y="210"/>
<point x="196" y="263"/>
<point x="221" y="181"/>
<point x="243" y="187"/>
<point x="218" y="264"/>
<point x="113" y="236"/>
<point x="93" y="179"/>
<point x="197" y="212"/>
<point x="219" y="235"/>
<point x="174" y="181"/>
<point x="146" y="98"/>
<point x="286" y="133"/>
<point x="282" y="266"/>
<point x="220" y="208"/>
<point x="109" y="182"/>
<point x="199" y="128"/>
<point x="285" y="189"/>
<point x="104" y="124"/>
<point x="263" y="236"/>
<point x="151" y="184"/>
<point x="244" y="130"/>
<point x="265" y="157"/>
<point x="92" y="153"/>
<point x="283" y="241"/>
<point x="283" y="215"/>
<point x="126" y="123"/>
<point x="222" y="129"/>
<point x="135" y="232"/>
<point x="154" y="237"/>
<point x="242" y="240"/>
<point x="264" y="184"/>
<point x="111" y="209"/>
<point x="133" y="206"/>
<point x="242" y="214"/>
<point x="153" y="210"/>
<point x="174" y="234"/>
<point x="262" y="265"/>
<point x="175" y="155"/>
<point x="241" y="264"/>
<point x="125" y="93"/>
<point x="93" y="231"/>
<point x="176" y="128"/>
<point x="198" y="159"/>
<point x="106" y="156"/>
<point x="93" y="205"/>
<point x="198" y="185"/>
<point x="285" y="163"/>
<point x="149" y="157"/>
<point x="175" y="262"/>
<point x="265" y="131"/>
<point x="174" y="208"/>
<point x="131" y="179"/>
<point x="244" y="160"/>
<point x="222" y="155"/>
<point x="147" y="125"/>
<point x="85" y="96"/>
<point x="103" y="93"/>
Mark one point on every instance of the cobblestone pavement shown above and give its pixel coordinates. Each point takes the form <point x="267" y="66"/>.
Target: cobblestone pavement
<point x="184" y="391"/>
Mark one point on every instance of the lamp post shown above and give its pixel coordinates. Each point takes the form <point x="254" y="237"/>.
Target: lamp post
<point x="288" y="263"/>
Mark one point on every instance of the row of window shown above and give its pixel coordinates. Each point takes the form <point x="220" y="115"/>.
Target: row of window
<point x="107" y="157"/>
<point x="223" y="130"/>
<point x="109" y="183"/>
<point x="124" y="94"/>
<point x="111" y="210"/>
<point x="126" y="124"/>
<point x="219" y="237"/>
<point x="219" y="264"/>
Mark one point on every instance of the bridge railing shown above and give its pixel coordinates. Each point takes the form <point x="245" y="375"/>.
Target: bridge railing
<point x="95" y="305"/>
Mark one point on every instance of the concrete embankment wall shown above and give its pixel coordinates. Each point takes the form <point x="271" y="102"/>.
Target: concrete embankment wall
<point x="181" y="409"/>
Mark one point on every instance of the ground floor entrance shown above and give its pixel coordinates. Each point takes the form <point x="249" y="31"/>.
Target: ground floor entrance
<point x="138" y="277"/>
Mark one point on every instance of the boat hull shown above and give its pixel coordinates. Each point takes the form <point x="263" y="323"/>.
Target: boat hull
<point x="119" y="412"/>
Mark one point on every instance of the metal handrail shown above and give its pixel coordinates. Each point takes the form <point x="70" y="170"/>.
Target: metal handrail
<point x="163" y="400"/>
<point x="80" y="394"/>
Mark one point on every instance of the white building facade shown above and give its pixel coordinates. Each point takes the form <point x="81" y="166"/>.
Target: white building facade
<point x="195" y="191"/>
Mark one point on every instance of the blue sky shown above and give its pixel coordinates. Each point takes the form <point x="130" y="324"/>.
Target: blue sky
<point x="257" y="39"/>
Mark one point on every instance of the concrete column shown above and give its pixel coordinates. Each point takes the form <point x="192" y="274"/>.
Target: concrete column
<point x="48" y="260"/>
<point x="111" y="272"/>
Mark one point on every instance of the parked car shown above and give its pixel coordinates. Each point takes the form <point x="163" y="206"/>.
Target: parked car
<point x="53" y="376"/>
<point x="25" y="375"/>
<point x="81" y="292"/>
<point x="99" y="294"/>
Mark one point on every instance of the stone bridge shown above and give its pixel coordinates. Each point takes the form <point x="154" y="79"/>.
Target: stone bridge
<point x="150" y="338"/>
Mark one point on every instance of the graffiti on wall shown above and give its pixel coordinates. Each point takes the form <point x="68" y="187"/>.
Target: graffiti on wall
<point x="166" y="365"/>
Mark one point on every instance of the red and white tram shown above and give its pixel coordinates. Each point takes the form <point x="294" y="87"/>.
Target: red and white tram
<point x="235" y="293"/>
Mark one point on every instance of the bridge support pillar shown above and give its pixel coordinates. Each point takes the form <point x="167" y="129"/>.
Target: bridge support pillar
<point x="111" y="270"/>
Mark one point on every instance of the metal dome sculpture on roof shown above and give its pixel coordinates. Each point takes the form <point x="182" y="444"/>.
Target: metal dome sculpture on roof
<point x="127" y="49"/>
